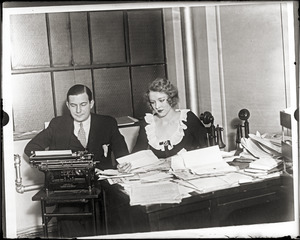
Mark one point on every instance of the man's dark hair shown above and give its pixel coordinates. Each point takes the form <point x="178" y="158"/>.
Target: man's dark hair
<point x="78" y="89"/>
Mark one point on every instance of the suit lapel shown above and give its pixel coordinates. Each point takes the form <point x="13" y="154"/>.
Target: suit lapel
<point x="91" y="133"/>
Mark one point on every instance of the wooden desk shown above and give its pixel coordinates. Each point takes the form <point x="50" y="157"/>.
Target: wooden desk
<point x="200" y="210"/>
<point x="54" y="197"/>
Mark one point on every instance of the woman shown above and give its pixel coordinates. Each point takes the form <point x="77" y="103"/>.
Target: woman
<point x="167" y="131"/>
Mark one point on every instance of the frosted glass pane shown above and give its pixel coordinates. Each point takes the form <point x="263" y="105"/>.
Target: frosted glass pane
<point x="80" y="38"/>
<point x="60" y="39"/>
<point x="29" y="41"/>
<point x="62" y="83"/>
<point x="146" y="36"/>
<point x="32" y="101"/>
<point x="108" y="40"/>
<point x="112" y="92"/>
<point x="141" y="77"/>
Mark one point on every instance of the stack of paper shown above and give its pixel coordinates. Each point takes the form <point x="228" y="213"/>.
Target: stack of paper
<point x="154" y="193"/>
<point x="110" y="174"/>
<point x="154" y="176"/>
<point x="208" y="184"/>
<point x="264" y="163"/>
<point x="204" y="161"/>
<point x="260" y="146"/>
<point x="253" y="148"/>
<point x="264" y="166"/>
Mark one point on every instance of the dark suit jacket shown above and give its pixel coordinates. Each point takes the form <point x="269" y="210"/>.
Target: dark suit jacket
<point x="59" y="135"/>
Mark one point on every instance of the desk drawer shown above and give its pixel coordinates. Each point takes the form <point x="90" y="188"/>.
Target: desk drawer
<point x="183" y="216"/>
<point x="226" y="205"/>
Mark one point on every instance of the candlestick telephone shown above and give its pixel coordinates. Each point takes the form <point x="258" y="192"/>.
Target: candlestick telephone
<point x="243" y="115"/>
<point x="214" y="134"/>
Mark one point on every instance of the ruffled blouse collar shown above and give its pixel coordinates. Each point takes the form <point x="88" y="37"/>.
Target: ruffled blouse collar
<point x="175" y="138"/>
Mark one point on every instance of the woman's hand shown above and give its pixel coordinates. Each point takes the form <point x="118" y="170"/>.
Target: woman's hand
<point x="124" y="167"/>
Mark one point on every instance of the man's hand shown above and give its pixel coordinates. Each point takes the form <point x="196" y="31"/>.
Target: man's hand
<point x="124" y="167"/>
<point x="97" y="171"/>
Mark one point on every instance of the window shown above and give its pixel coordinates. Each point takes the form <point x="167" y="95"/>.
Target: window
<point x="115" y="53"/>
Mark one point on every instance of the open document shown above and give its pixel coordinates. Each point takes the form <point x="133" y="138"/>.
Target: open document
<point x="140" y="159"/>
<point x="204" y="161"/>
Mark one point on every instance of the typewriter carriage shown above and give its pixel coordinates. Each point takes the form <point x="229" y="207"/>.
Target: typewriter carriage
<point x="66" y="172"/>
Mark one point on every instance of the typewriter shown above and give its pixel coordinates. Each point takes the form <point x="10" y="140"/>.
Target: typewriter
<point x="65" y="170"/>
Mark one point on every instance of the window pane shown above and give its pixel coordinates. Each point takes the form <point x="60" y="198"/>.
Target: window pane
<point x="80" y="38"/>
<point x="62" y="83"/>
<point x="141" y="77"/>
<point x="112" y="92"/>
<point x="29" y="41"/>
<point x="32" y="102"/>
<point x="146" y="36"/>
<point x="107" y="34"/>
<point x="60" y="39"/>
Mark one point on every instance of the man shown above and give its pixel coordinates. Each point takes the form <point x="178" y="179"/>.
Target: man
<point x="101" y="134"/>
<point x="78" y="131"/>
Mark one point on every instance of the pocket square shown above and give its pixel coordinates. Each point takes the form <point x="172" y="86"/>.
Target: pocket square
<point x="105" y="149"/>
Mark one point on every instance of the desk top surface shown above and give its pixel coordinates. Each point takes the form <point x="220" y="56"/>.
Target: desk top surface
<point x="259" y="187"/>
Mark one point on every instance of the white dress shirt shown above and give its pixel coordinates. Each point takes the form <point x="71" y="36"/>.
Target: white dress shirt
<point x="86" y="126"/>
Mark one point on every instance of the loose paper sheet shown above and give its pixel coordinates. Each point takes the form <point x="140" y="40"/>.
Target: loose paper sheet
<point x="140" y="159"/>
<point x="53" y="153"/>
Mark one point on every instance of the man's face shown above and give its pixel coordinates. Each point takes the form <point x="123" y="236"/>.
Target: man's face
<point x="80" y="106"/>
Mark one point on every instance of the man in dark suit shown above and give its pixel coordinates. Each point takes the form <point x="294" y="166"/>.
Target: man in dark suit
<point x="79" y="131"/>
<point x="101" y="132"/>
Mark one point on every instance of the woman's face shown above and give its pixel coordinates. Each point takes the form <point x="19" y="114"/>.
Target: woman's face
<point x="159" y="103"/>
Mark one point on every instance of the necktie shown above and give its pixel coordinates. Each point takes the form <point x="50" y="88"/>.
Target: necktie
<point x="81" y="135"/>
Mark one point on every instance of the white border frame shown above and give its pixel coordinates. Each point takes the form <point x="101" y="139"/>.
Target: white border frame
<point x="288" y="228"/>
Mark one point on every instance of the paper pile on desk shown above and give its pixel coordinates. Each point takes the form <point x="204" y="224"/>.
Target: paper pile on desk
<point x="202" y="162"/>
<point x="154" y="193"/>
<point x="110" y="174"/>
<point x="265" y="168"/>
<point x="260" y="146"/>
<point x="209" y="184"/>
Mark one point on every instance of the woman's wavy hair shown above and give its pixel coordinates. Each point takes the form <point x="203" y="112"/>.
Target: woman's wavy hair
<point x="165" y="86"/>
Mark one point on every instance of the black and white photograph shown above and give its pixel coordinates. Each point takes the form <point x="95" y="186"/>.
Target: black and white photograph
<point x="150" y="119"/>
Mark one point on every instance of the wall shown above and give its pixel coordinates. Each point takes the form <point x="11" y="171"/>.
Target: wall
<point x="242" y="62"/>
<point x="28" y="212"/>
